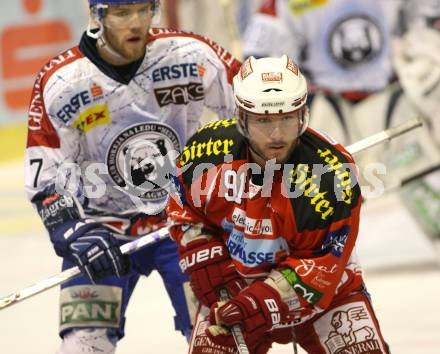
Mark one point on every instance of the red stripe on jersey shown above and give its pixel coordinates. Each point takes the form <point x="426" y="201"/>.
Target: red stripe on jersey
<point x="231" y="64"/>
<point x="56" y="63"/>
<point x="40" y="130"/>
<point x="268" y="8"/>
<point x="49" y="138"/>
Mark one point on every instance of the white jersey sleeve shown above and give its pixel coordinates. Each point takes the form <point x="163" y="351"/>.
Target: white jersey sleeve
<point x="50" y="143"/>
<point x="115" y="142"/>
<point x="267" y="34"/>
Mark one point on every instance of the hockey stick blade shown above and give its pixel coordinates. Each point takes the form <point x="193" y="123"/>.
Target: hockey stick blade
<point x="385" y="135"/>
<point x="71" y="273"/>
<point x="235" y="329"/>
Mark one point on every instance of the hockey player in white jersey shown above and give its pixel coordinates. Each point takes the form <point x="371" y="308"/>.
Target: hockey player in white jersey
<point x="417" y="62"/>
<point x="417" y="58"/>
<point x="346" y="45"/>
<point x="345" y="49"/>
<point x="343" y="46"/>
<point x="106" y="119"/>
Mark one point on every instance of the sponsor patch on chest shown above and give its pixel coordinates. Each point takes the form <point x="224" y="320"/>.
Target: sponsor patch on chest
<point x="245" y="245"/>
<point x="177" y="71"/>
<point x="251" y="226"/>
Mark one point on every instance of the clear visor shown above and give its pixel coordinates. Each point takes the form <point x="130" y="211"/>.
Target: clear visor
<point x="289" y="123"/>
<point x="124" y="16"/>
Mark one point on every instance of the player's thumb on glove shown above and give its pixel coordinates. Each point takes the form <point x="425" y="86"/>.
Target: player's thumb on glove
<point x="225" y="313"/>
<point x="217" y="333"/>
<point x="216" y="330"/>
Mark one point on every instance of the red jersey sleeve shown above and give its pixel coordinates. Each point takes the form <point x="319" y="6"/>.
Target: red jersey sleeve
<point x="186" y="207"/>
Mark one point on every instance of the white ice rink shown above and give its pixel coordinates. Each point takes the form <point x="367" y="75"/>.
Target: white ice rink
<point x="402" y="274"/>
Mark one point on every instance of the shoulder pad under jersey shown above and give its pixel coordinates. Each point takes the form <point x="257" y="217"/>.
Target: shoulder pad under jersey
<point x="211" y="145"/>
<point x="322" y="183"/>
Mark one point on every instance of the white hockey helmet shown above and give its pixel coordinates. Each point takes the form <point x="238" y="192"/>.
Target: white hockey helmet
<point x="270" y="86"/>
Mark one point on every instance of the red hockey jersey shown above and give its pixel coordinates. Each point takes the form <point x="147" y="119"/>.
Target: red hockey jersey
<point x="300" y="218"/>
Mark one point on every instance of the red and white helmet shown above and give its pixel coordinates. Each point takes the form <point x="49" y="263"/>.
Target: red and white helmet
<point x="270" y="86"/>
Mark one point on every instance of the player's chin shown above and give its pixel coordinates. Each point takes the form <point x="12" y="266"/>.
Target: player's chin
<point x="135" y="53"/>
<point x="279" y="156"/>
<point x="282" y="159"/>
<point x="280" y="152"/>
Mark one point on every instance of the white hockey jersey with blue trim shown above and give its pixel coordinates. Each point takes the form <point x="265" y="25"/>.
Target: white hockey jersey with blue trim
<point x="108" y="142"/>
<point x="343" y="45"/>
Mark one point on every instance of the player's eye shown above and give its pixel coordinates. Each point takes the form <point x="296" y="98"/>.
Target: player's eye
<point x="121" y="13"/>
<point x="263" y="120"/>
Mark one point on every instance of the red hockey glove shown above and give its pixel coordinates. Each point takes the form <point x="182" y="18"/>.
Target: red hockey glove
<point x="256" y="309"/>
<point x="210" y="268"/>
<point x="222" y="337"/>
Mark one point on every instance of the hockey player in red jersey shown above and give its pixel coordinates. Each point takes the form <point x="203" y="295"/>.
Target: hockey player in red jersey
<point x="104" y="120"/>
<point x="268" y="209"/>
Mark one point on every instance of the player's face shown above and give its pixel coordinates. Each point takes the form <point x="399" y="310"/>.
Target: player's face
<point x="273" y="136"/>
<point x="126" y="28"/>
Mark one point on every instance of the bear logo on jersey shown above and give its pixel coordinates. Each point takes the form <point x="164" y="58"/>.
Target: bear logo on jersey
<point x="145" y="158"/>
<point x="140" y="159"/>
<point x="355" y="41"/>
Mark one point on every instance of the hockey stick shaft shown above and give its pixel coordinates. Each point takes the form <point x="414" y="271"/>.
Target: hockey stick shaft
<point x="359" y="146"/>
<point x="158" y="235"/>
<point x="420" y="174"/>
<point x="75" y="271"/>
<point x="423" y="173"/>
<point x="385" y="135"/>
<point x="235" y="329"/>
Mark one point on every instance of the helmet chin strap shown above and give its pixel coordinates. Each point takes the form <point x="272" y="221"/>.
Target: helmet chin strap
<point x="106" y="47"/>
<point x="96" y="16"/>
<point x="100" y="37"/>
